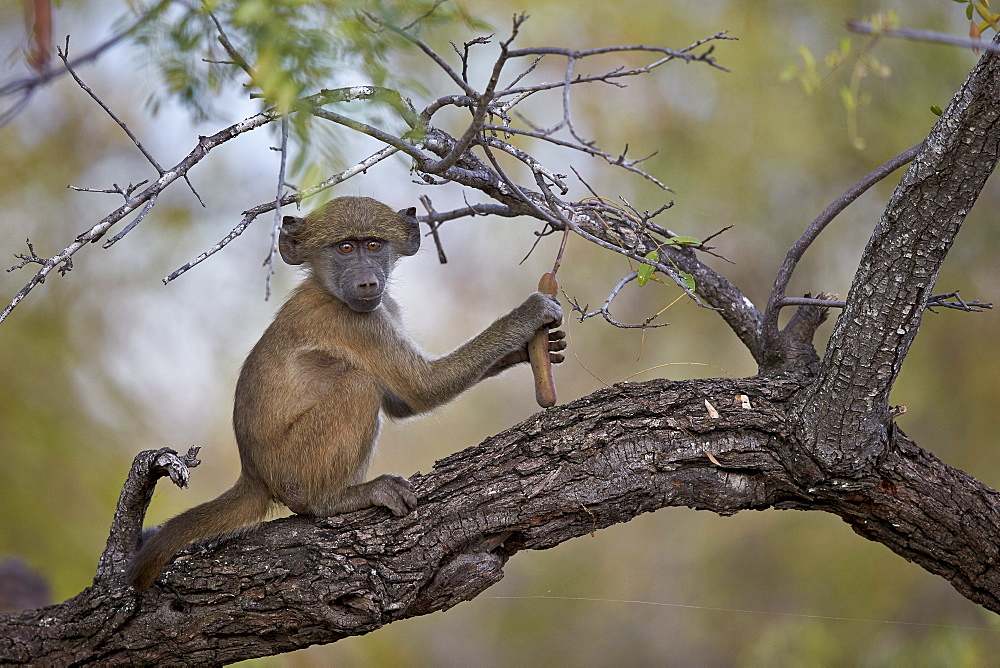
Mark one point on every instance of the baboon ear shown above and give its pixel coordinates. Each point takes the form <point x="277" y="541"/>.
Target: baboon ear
<point x="411" y="230"/>
<point x="288" y="242"/>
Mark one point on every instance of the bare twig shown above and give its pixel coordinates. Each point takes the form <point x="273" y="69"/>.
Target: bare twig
<point x="25" y="260"/>
<point x="64" y="258"/>
<point x="606" y="313"/>
<point x="251" y="214"/>
<point x="934" y="301"/>
<point x="237" y="57"/>
<point x="587" y="148"/>
<point x="135" y="221"/>
<point x="426" y="201"/>
<point x="115" y="189"/>
<point x="921" y="35"/>
<point x="27" y="86"/>
<point x="276" y="228"/>
<point x="777" y="298"/>
<point x="532" y="163"/>
<point x="941" y="301"/>
<point x="64" y="56"/>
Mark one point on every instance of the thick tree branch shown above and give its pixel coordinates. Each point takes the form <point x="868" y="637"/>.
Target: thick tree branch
<point x="566" y="472"/>
<point x="846" y="409"/>
<point x="137" y="492"/>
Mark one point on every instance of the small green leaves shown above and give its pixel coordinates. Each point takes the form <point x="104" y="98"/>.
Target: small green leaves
<point x="682" y="241"/>
<point x="646" y="270"/>
<point x="936" y="110"/>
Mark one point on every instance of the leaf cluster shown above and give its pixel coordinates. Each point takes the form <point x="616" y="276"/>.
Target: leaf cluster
<point x="854" y="63"/>
<point x="987" y="18"/>
<point x="280" y="50"/>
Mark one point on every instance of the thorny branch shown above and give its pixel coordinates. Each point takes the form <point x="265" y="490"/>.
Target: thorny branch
<point x="456" y="163"/>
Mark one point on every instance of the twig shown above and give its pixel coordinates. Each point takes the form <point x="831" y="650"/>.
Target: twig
<point x="941" y="301"/>
<point x="64" y="57"/>
<point x="63" y="54"/>
<point x="115" y="189"/>
<point x="777" y="298"/>
<point x="25" y="260"/>
<point x="533" y="164"/>
<point x="237" y="57"/>
<point x="426" y="201"/>
<point x="606" y="313"/>
<point x="64" y="258"/>
<point x="921" y="35"/>
<point x="27" y="86"/>
<point x="251" y="214"/>
<point x="128" y="228"/>
<point x="588" y="148"/>
<point x="276" y="228"/>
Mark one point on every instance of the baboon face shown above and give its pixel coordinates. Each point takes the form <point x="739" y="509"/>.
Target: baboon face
<point x="355" y="271"/>
<point x="351" y="245"/>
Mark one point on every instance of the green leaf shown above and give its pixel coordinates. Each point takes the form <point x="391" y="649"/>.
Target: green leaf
<point x="646" y="270"/>
<point x="683" y="241"/>
<point x="936" y="110"/>
<point x="687" y="280"/>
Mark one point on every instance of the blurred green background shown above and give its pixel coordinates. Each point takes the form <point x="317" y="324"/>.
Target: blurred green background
<point x="106" y="361"/>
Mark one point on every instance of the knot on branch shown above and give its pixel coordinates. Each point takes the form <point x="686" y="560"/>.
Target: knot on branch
<point x="462" y="578"/>
<point x="793" y="347"/>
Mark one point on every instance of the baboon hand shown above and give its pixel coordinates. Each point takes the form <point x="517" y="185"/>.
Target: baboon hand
<point x="545" y="309"/>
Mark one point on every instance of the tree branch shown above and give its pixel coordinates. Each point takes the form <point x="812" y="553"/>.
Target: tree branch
<point x="845" y="410"/>
<point x="772" y="345"/>
<point x="27" y="86"/>
<point x="566" y="472"/>
<point x="921" y="35"/>
<point x="64" y="258"/>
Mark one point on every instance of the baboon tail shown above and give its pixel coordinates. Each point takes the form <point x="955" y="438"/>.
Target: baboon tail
<point x="243" y="504"/>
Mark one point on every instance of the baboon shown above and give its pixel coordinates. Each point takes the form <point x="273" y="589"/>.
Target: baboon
<point x="309" y="394"/>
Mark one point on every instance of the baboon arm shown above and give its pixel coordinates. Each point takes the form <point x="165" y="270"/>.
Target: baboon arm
<point x="415" y="384"/>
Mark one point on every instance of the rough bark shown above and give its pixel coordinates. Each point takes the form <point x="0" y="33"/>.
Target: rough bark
<point x="565" y="472"/>
<point x="847" y="408"/>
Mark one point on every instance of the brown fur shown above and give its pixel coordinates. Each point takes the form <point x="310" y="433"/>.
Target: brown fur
<point x="306" y="414"/>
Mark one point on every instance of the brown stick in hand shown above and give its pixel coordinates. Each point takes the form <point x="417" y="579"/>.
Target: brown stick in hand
<point x="538" y="348"/>
<point x="538" y="351"/>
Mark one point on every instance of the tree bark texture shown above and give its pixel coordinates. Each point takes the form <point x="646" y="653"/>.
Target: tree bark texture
<point x="813" y="436"/>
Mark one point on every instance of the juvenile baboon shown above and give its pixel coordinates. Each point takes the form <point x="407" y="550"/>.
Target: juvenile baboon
<point x="308" y="397"/>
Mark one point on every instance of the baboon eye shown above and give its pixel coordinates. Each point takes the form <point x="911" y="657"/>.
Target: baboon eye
<point x="345" y="247"/>
<point x="373" y="244"/>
